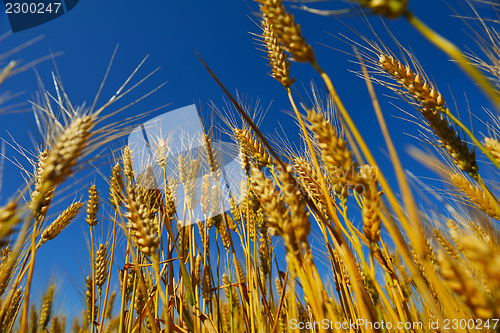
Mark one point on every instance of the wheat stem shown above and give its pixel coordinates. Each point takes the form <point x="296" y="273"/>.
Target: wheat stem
<point x="113" y="245"/>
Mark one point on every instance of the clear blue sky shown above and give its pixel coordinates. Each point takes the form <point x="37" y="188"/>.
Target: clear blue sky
<point x="169" y="32"/>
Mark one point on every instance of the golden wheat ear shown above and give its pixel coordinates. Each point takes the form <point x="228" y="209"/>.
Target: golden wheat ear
<point x="7" y="268"/>
<point x="276" y="54"/>
<point x="92" y="207"/>
<point x="432" y="106"/>
<point x="33" y="324"/>
<point x="142" y="222"/>
<point x="46" y="312"/>
<point x="467" y="289"/>
<point x="60" y="223"/>
<point x="473" y="194"/>
<point x="101" y="266"/>
<point x="89" y="298"/>
<point x="286" y="28"/>
<point x="456" y="54"/>
<point x="372" y="204"/>
<point x="116" y="186"/>
<point x="67" y="149"/>
<point x="8" y="218"/>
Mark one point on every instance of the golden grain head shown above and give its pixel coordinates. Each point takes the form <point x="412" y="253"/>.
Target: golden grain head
<point x="55" y="326"/>
<point x="161" y="152"/>
<point x="33" y="325"/>
<point x="213" y="160"/>
<point x="92" y="206"/>
<point x="264" y="253"/>
<point x="89" y="297"/>
<point x="288" y="31"/>
<point x="116" y="186"/>
<point x="40" y="202"/>
<point x="182" y="168"/>
<point x="272" y="201"/>
<point x="492" y="145"/>
<point x="128" y="169"/>
<point x="12" y="309"/>
<point x="473" y="194"/>
<point x="338" y="158"/>
<point x="235" y="211"/>
<point x="276" y="55"/>
<point x="67" y="149"/>
<point x="205" y="194"/>
<point x="253" y="147"/>
<point x="8" y="218"/>
<point x="46" y="312"/>
<point x="101" y="266"/>
<point x="433" y="108"/>
<point x="299" y="215"/>
<point x="224" y="234"/>
<point x="60" y="223"/>
<point x="7" y="267"/>
<point x="111" y="303"/>
<point x="141" y="222"/>
<point x="171" y="198"/>
<point x="372" y="204"/>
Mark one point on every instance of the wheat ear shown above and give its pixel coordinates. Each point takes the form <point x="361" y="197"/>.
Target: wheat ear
<point x="432" y="106"/>
<point x="492" y="145"/>
<point x="253" y="147"/>
<point x="6" y="270"/>
<point x="141" y="222"/>
<point x="288" y="31"/>
<point x="128" y="170"/>
<point x="337" y="156"/>
<point x="101" y="266"/>
<point x="46" y="309"/>
<point x="465" y="287"/>
<point x="44" y="201"/>
<point x="8" y="218"/>
<point x="33" y="326"/>
<point x="276" y="55"/>
<point x="371" y="204"/>
<point x="14" y="305"/>
<point x="116" y="186"/>
<point x="475" y="195"/>
<point x="60" y="223"/>
<point x="92" y="207"/>
<point x="67" y="149"/>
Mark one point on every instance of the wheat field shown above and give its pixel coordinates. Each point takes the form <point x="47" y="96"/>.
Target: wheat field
<point x="310" y="237"/>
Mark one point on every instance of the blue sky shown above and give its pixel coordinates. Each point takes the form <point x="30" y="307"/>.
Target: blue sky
<point x="169" y="32"/>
